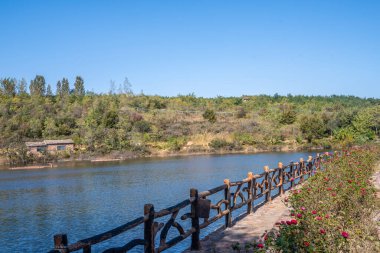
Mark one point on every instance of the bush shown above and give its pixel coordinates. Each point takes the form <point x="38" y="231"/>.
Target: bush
<point x="209" y="115"/>
<point x="223" y="144"/>
<point x="332" y="210"/>
<point x="176" y="143"/>
<point x="142" y="126"/>
<point x="244" y="138"/>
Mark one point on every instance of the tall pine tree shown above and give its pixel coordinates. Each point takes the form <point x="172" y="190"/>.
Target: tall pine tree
<point x="58" y="91"/>
<point x="49" y="93"/>
<point x="65" y="87"/>
<point x="79" y="87"/>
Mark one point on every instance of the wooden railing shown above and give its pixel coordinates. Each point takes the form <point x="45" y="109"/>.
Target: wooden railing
<point x="270" y="183"/>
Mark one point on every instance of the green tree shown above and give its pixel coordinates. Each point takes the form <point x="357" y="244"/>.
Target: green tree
<point x="59" y="89"/>
<point x="312" y="127"/>
<point x="79" y="87"/>
<point x="288" y="114"/>
<point x="49" y="93"/>
<point x="50" y="128"/>
<point x="8" y="86"/>
<point x="364" y="124"/>
<point x="37" y="86"/>
<point x="65" y="88"/>
<point x="21" y="87"/>
<point x="110" y="119"/>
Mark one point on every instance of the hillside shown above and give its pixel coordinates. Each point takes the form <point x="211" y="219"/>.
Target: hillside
<point x="141" y="125"/>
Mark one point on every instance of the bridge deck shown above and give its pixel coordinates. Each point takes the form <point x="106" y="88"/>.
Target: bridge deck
<point x="249" y="229"/>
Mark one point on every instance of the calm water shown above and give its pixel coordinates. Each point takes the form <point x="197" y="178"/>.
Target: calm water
<point x="85" y="199"/>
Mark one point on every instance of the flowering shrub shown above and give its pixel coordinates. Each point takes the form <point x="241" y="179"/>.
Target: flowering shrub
<point x="332" y="211"/>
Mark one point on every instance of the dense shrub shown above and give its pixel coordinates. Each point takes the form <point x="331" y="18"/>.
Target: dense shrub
<point x="176" y="143"/>
<point x="142" y="126"/>
<point x="223" y="144"/>
<point x="332" y="211"/>
<point x="209" y="115"/>
<point x="244" y="138"/>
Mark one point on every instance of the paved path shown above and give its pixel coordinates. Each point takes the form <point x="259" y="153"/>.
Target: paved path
<point x="252" y="227"/>
<point x="376" y="182"/>
<point x="249" y="229"/>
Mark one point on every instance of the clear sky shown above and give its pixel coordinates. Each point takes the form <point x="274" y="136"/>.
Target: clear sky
<point x="211" y="48"/>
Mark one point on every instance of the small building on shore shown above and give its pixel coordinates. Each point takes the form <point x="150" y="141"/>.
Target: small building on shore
<point x="51" y="146"/>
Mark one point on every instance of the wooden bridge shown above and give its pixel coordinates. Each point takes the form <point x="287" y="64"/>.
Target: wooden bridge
<point x="264" y="186"/>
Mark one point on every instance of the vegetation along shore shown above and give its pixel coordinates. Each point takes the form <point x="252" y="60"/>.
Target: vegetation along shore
<point x="336" y="210"/>
<point x="119" y="125"/>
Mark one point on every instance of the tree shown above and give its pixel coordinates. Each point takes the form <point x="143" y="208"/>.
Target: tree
<point x="37" y="86"/>
<point x="49" y="93"/>
<point x="59" y="89"/>
<point x="50" y="128"/>
<point x="126" y="87"/>
<point x="21" y="87"/>
<point x="312" y="127"/>
<point x="288" y="114"/>
<point x="8" y="86"/>
<point x="65" y="88"/>
<point x="79" y="87"/>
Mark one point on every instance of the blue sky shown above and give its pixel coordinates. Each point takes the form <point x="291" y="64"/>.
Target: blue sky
<point x="209" y="48"/>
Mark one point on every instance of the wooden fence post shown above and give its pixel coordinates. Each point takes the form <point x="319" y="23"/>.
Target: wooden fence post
<point x="302" y="169"/>
<point x="254" y="188"/>
<point x="227" y="197"/>
<point x="281" y="174"/>
<point x="60" y="243"/>
<point x="149" y="228"/>
<point x="317" y="162"/>
<point x="87" y="249"/>
<point x="292" y="175"/>
<point x="250" y="199"/>
<point x="268" y="196"/>
<point x="310" y="165"/>
<point x="195" y="243"/>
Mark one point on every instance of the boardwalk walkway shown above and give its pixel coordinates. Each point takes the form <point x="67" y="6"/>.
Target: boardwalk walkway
<point x="252" y="227"/>
<point x="249" y="229"/>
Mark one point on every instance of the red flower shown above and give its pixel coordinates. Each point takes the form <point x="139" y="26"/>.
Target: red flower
<point x="322" y="231"/>
<point x="303" y="208"/>
<point x="299" y="215"/>
<point x="289" y="222"/>
<point x="327" y="216"/>
<point x="345" y="234"/>
<point x="318" y="218"/>
<point x="260" y="245"/>
<point x="292" y="214"/>
<point x="329" y="189"/>
<point x="294" y="222"/>
<point x="314" y="212"/>
<point x="306" y="244"/>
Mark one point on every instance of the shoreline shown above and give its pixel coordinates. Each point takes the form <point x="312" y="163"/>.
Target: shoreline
<point x="163" y="154"/>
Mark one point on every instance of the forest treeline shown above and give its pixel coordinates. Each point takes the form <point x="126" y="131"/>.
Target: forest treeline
<point x="144" y="124"/>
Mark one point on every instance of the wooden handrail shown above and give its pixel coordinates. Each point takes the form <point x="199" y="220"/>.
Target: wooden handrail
<point x="236" y="195"/>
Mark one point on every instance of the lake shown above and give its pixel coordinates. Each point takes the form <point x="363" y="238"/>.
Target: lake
<point x="83" y="199"/>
